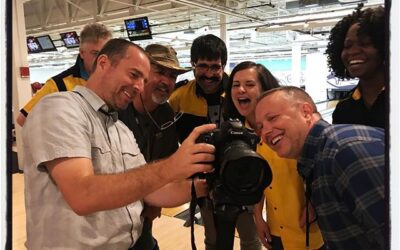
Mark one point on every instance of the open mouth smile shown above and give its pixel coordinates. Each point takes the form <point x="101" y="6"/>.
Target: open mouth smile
<point x="127" y="94"/>
<point x="356" y="62"/>
<point x="244" y="101"/>
<point x="276" y="139"/>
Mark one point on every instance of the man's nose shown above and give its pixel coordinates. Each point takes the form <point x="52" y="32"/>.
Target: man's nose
<point x="138" y="86"/>
<point x="209" y="73"/>
<point x="265" y="131"/>
<point x="355" y="49"/>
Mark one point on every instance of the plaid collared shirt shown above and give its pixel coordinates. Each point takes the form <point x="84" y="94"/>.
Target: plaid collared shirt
<point x="346" y="165"/>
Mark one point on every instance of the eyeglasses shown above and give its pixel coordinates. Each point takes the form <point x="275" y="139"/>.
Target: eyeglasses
<point x="165" y="125"/>
<point x="215" y="68"/>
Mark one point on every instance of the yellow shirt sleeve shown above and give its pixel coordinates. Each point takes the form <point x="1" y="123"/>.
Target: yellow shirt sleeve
<point x="48" y="88"/>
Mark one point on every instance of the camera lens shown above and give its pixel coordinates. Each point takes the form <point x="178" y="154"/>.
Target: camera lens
<point x="240" y="175"/>
<point x="244" y="174"/>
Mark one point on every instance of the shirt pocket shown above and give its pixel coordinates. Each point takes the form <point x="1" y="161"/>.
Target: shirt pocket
<point x="101" y="156"/>
<point x="131" y="155"/>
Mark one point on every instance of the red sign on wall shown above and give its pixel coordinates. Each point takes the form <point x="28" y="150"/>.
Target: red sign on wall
<point x="24" y="72"/>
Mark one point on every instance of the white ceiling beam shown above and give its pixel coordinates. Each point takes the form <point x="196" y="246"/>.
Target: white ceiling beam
<point x="137" y="4"/>
<point x="218" y="9"/>
<point x="75" y="12"/>
<point x="109" y="19"/>
<point x="67" y="12"/>
<point x="95" y="8"/>
<point x="49" y="12"/>
<point x="41" y="13"/>
<point x="60" y="8"/>
<point x="78" y="7"/>
<point x="103" y="7"/>
<point x="123" y="3"/>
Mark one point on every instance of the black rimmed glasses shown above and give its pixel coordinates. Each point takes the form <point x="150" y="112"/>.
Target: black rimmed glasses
<point x="163" y="126"/>
<point x="214" y="68"/>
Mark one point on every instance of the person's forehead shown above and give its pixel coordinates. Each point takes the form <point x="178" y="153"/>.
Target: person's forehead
<point x="160" y="68"/>
<point x="134" y="52"/>
<point x="209" y="61"/>
<point x="272" y="101"/>
<point x="248" y="73"/>
<point x="135" y="59"/>
<point x="92" y="45"/>
<point x="352" y="28"/>
<point x="164" y="70"/>
<point x="354" y="32"/>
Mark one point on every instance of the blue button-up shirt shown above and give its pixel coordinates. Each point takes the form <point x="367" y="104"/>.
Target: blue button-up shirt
<point x="345" y="165"/>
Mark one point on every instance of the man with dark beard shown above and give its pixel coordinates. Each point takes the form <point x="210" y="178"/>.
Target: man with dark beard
<point x="152" y="121"/>
<point x="201" y="101"/>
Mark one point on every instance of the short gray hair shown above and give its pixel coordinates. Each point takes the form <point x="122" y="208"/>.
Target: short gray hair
<point x="296" y="94"/>
<point x="93" y="32"/>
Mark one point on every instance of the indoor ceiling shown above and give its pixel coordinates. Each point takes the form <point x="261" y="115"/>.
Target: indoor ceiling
<point x="256" y="29"/>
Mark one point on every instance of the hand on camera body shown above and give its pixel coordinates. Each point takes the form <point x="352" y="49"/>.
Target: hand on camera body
<point x="191" y="157"/>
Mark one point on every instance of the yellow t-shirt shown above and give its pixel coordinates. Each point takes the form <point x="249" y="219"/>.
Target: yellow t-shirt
<point x="285" y="201"/>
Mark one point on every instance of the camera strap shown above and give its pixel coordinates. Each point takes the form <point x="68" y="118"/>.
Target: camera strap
<point x="192" y="209"/>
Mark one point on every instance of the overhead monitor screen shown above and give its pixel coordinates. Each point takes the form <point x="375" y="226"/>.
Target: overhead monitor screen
<point x="138" y="28"/>
<point x="33" y="45"/>
<point x="70" y="39"/>
<point x="46" y="43"/>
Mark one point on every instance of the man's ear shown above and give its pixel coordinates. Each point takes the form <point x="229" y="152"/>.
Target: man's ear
<point x="102" y="61"/>
<point x="307" y="110"/>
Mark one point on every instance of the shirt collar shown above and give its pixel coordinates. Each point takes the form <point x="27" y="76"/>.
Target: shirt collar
<point x="96" y="102"/>
<point x="309" y="156"/>
<point x="357" y="93"/>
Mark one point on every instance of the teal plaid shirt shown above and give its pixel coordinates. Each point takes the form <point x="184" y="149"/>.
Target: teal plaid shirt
<point x="346" y="166"/>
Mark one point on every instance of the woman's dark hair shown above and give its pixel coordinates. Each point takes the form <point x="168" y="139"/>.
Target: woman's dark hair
<point x="266" y="79"/>
<point x="372" y="24"/>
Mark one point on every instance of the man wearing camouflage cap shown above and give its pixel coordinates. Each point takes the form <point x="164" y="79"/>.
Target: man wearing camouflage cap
<point x="152" y="121"/>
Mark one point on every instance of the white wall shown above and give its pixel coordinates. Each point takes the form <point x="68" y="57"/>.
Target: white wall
<point x="43" y="74"/>
<point x="315" y="76"/>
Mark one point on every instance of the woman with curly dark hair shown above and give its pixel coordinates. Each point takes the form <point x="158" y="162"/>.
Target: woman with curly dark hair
<point x="356" y="49"/>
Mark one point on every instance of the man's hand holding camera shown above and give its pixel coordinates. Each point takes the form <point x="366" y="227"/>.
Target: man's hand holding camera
<point x="191" y="157"/>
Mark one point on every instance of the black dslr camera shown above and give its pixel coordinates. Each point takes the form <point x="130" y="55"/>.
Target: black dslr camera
<point x="240" y="174"/>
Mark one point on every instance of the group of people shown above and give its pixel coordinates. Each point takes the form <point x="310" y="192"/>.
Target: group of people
<point x="118" y="142"/>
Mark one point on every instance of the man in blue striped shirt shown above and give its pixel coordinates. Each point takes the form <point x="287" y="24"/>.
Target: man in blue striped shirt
<point x="342" y="165"/>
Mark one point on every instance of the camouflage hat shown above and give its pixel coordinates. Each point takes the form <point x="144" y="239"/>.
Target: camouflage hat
<point x="165" y="56"/>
